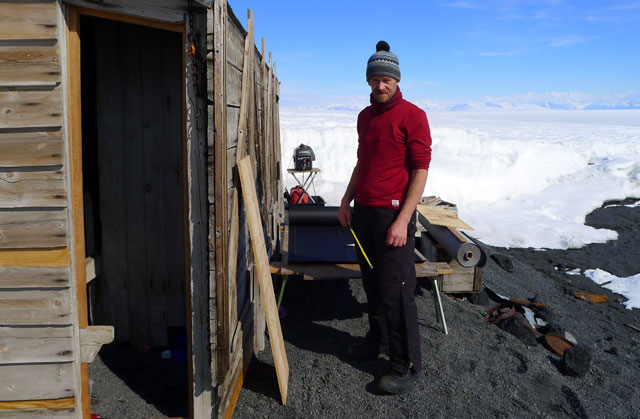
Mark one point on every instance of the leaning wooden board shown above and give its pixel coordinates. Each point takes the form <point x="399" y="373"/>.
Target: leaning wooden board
<point x="264" y="275"/>
<point x="442" y="217"/>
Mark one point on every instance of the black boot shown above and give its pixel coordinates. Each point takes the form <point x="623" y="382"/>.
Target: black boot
<point x="396" y="383"/>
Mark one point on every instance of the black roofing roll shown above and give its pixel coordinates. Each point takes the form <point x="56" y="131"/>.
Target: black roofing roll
<point x="313" y="215"/>
<point x="466" y="252"/>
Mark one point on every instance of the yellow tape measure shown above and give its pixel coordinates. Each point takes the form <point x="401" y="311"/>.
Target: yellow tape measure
<point x="360" y="246"/>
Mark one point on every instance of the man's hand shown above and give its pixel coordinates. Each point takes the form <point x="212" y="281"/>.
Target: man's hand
<point x="344" y="215"/>
<point x="397" y="234"/>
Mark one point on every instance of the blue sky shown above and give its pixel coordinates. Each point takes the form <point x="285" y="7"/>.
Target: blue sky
<point x="453" y="51"/>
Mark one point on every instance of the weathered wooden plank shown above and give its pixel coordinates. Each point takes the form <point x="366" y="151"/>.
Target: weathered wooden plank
<point x="36" y="381"/>
<point x="234" y="44"/>
<point x="39" y="148"/>
<point x="28" y="65"/>
<point x="233" y="260"/>
<point x="36" y="344"/>
<point x="218" y="178"/>
<point x="170" y="11"/>
<point x="232" y="129"/>
<point x="32" y="189"/>
<point x="28" y="20"/>
<point x="35" y="307"/>
<point x="20" y="277"/>
<point x="38" y="257"/>
<point x="38" y="404"/>
<point x="199" y="296"/>
<point x="234" y="87"/>
<point x="33" y="229"/>
<point x="31" y="109"/>
<point x="262" y="265"/>
<point x="64" y="413"/>
<point x="349" y="270"/>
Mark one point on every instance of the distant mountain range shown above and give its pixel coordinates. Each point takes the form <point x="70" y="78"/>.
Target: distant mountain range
<point x="630" y="104"/>
<point x="478" y="106"/>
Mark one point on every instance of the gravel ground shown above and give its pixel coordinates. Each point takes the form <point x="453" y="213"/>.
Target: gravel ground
<point x="478" y="370"/>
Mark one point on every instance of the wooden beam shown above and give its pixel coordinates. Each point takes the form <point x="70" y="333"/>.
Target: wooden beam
<point x="90" y="269"/>
<point x="264" y="276"/>
<point x="91" y="340"/>
<point x="312" y="271"/>
<point x="74" y="167"/>
<point x="165" y="18"/>
<point x="219" y="181"/>
<point x="201" y="390"/>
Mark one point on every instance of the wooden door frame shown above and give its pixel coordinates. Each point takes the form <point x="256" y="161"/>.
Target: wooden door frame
<point x="74" y="97"/>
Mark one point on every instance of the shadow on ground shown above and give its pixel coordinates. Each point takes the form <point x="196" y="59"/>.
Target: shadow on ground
<point x="159" y="382"/>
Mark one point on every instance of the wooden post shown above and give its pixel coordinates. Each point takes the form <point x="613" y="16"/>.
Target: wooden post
<point x="77" y="215"/>
<point x="220" y="186"/>
<point x="264" y="276"/>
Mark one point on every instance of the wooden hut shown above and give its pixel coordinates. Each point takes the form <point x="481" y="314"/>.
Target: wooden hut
<point x="121" y="123"/>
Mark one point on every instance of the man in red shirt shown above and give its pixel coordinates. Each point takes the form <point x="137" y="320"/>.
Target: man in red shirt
<point x="394" y="152"/>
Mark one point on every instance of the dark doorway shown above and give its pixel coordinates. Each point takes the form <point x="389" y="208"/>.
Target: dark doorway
<point x="132" y="141"/>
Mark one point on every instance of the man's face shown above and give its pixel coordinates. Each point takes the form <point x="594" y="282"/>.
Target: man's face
<point x="383" y="88"/>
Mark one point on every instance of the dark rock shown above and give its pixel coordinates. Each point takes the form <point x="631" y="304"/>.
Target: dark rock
<point x="545" y="314"/>
<point x="503" y="261"/>
<point x="516" y="326"/>
<point x="576" y="361"/>
<point x="613" y="350"/>
<point x="479" y="299"/>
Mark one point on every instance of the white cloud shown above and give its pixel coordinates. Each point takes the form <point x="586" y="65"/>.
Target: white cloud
<point x="566" y="41"/>
<point x="464" y="5"/>
<point x="634" y="5"/>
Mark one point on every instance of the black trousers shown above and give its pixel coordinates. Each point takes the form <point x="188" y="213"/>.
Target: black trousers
<point x="390" y="286"/>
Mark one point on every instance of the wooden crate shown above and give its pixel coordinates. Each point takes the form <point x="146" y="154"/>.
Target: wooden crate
<point x="462" y="280"/>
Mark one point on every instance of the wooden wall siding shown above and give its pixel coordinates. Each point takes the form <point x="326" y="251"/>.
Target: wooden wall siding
<point x="28" y="65"/>
<point x="64" y="413"/>
<point x="36" y="302"/>
<point x="31" y="109"/>
<point x="33" y="229"/>
<point x="139" y="126"/>
<point x="238" y="318"/>
<point x="32" y="189"/>
<point x="31" y="148"/>
<point x="43" y="277"/>
<point x="35" y="344"/>
<point x="32" y="21"/>
<point x="35" y="307"/>
<point x="36" y="381"/>
<point x="35" y="257"/>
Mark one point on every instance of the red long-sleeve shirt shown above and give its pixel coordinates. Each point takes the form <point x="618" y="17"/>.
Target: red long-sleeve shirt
<point x="393" y="139"/>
